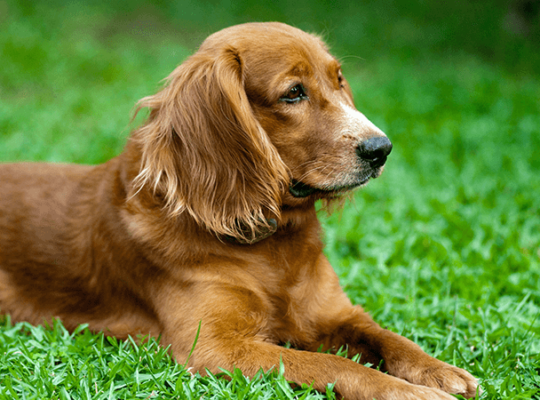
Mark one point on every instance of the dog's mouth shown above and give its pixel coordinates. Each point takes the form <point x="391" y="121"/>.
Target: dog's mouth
<point x="300" y="189"/>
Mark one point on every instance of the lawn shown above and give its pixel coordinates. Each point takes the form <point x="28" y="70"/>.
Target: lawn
<point x="443" y="248"/>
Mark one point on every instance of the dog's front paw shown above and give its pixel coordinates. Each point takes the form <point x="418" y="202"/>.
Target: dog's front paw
<point x="397" y="389"/>
<point x="417" y="392"/>
<point x="443" y="376"/>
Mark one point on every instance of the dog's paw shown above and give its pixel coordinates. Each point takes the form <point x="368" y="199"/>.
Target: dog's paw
<point x="421" y="393"/>
<point x="445" y="377"/>
<point x="398" y="389"/>
<point x="376" y="385"/>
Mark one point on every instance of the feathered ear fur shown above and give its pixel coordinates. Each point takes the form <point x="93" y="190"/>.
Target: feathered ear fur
<point x="206" y="154"/>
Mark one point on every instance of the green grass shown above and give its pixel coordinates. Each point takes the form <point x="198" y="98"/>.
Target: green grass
<point x="443" y="248"/>
<point x="55" y="364"/>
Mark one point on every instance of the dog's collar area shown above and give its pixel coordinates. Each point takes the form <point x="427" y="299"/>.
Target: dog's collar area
<point x="261" y="234"/>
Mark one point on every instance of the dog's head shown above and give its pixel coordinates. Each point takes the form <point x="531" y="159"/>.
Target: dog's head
<point x="259" y="117"/>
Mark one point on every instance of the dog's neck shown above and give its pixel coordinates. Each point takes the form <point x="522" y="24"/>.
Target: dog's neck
<point x="292" y="219"/>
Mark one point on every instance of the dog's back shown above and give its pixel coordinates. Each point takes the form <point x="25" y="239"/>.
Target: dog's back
<point x="58" y="232"/>
<point x="34" y="202"/>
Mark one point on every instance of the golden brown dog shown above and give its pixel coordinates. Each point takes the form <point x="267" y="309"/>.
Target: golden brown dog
<point x="208" y="217"/>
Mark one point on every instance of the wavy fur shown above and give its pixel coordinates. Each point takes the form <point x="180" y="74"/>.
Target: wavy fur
<point x="205" y="152"/>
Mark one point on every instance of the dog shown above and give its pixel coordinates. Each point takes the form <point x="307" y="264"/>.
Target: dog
<point x="206" y="224"/>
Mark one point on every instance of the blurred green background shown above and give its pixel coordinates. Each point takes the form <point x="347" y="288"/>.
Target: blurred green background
<point x="444" y="247"/>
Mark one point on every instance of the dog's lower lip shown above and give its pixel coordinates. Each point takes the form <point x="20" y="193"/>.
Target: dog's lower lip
<point x="362" y="183"/>
<point x="299" y="189"/>
<point x="367" y="179"/>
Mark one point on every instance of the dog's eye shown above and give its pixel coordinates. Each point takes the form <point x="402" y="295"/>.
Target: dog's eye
<point x="295" y="94"/>
<point x="340" y="79"/>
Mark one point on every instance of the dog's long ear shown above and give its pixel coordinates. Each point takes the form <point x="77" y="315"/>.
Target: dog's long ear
<point x="206" y="154"/>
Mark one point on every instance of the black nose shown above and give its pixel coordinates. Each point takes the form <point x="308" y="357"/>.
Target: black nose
<point x="374" y="150"/>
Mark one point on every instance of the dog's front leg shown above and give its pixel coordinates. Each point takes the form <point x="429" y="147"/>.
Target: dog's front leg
<point x="236" y="332"/>
<point x="400" y="357"/>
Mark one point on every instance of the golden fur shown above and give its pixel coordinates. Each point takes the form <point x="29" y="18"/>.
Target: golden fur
<point x="208" y="217"/>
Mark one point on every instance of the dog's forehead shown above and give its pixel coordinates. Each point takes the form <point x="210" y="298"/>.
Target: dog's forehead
<point x="275" y="43"/>
<point x="274" y="55"/>
<point x="258" y="32"/>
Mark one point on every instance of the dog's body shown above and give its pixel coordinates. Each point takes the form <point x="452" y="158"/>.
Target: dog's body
<point x="197" y="221"/>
